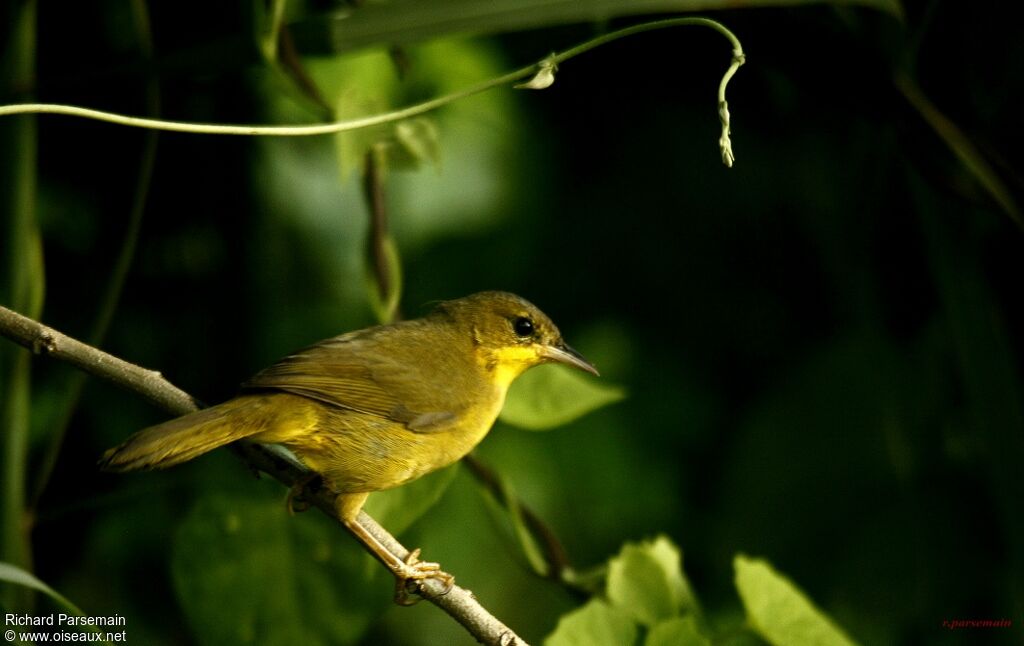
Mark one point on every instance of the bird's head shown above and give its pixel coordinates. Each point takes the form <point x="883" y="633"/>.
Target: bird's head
<point x="510" y="334"/>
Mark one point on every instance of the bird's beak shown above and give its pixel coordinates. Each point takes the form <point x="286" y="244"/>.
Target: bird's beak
<point x="562" y="353"/>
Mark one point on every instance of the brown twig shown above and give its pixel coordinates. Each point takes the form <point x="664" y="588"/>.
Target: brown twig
<point x="458" y="602"/>
<point x="373" y="190"/>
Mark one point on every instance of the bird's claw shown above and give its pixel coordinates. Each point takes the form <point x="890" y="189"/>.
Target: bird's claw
<point x="297" y="500"/>
<point x="410" y="577"/>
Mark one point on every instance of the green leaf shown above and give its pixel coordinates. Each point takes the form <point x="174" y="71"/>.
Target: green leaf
<point x="480" y="165"/>
<point x="679" y="631"/>
<point x="779" y="611"/>
<point x="246" y="572"/>
<point x="385" y="305"/>
<point x="357" y="86"/>
<point x="525" y="538"/>
<point x="549" y="396"/>
<point x="398" y="508"/>
<point x="646" y="581"/>
<point x="504" y="505"/>
<point x="543" y="79"/>
<point x="14" y="574"/>
<point x="268" y="26"/>
<point x="595" y="624"/>
<point x="478" y="159"/>
<point x="419" y="143"/>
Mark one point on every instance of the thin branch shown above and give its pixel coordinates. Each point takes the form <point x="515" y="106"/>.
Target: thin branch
<point x="41" y="339"/>
<point x="458" y="602"/>
<point x="542" y="69"/>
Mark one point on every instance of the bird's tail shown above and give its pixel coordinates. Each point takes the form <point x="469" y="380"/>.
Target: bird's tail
<point x="184" y="438"/>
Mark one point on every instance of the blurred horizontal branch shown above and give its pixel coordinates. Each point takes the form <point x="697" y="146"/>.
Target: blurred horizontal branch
<point x="402" y="22"/>
<point x="458" y="602"/>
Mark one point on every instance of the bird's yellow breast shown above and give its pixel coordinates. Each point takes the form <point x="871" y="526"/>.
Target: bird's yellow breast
<point x="502" y="365"/>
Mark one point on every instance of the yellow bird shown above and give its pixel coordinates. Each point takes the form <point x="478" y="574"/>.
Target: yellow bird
<point x="376" y="408"/>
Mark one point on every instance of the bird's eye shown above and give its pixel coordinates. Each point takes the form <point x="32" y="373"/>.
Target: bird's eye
<point x="522" y="326"/>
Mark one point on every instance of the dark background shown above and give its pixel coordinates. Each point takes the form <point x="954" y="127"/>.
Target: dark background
<point x="821" y="345"/>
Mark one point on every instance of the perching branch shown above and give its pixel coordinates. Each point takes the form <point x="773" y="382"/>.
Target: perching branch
<point x="541" y="75"/>
<point x="42" y="340"/>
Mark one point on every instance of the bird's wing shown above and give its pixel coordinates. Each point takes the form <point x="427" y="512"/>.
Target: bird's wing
<point x="376" y="373"/>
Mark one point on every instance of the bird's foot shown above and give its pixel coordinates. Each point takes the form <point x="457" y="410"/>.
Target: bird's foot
<point x="298" y="495"/>
<point x="409" y="578"/>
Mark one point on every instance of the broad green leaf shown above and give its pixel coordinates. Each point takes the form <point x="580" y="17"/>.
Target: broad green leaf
<point x="476" y="163"/>
<point x="372" y="83"/>
<point x="549" y="396"/>
<point x="778" y="611"/>
<point x="398" y="508"/>
<point x="246" y="572"/>
<point x="357" y="86"/>
<point x="595" y="624"/>
<point x="646" y="581"/>
<point x="479" y="165"/>
<point x="14" y="574"/>
<point x="406" y="21"/>
<point x="670" y="559"/>
<point x="678" y="631"/>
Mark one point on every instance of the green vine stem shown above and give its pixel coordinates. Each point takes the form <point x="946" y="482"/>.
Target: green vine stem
<point x="22" y="285"/>
<point x="541" y="73"/>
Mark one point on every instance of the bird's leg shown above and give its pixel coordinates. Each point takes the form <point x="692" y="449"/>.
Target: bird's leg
<point x="411" y="570"/>
<point x="297" y="500"/>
